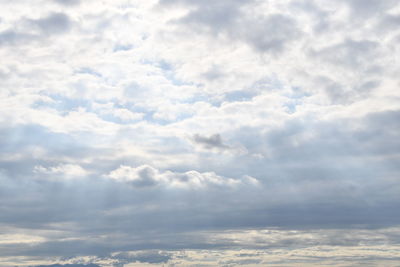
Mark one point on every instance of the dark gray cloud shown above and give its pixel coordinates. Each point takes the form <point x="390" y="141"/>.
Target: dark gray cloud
<point x="212" y="141"/>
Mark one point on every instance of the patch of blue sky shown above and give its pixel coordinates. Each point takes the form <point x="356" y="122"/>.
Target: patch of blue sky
<point x="123" y="47"/>
<point x="292" y="105"/>
<point x="112" y="118"/>
<point x="86" y="70"/>
<point x="196" y="98"/>
<point x="270" y="83"/>
<point x="239" y="96"/>
<point x="63" y="104"/>
<point x="296" y="97"/>
<point x="22" y="136"/>
<point x="204" y="98"/>
<point x="163" y="122"/>
<point x="164" y="65"/>
<point x="297" y="93"/>
<point x="178" y="82"/>
<point x="168" y="72"/>
<point x="132" y="107"/>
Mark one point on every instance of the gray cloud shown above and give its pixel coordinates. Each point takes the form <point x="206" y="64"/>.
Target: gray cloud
<point x="10" y="37"/>
<point x="214" y="73"/>
<point x="212" y="141"/>
<point x="267" y="34"/>
<point x="55" y="23"/>
<point x="21" y="34"/>
<point x="68" y="2"/>
<point x="370" y="8"/>
<point x="272" y="33"/>
<point x="216" y="16"/>
<point x="388" y="23"/>
<point x="354" y="55"/>
<point x="320" y="17"/>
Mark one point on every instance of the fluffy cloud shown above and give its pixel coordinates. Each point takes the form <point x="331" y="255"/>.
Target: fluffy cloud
<point x="147" y="176"/>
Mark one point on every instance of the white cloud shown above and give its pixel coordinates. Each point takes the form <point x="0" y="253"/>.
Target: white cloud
<point x="147" y="176"/>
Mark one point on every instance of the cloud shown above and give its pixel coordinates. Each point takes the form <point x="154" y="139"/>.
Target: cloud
<point x="147" y="176"/>
<point x="63" y="170"/>
<point x="350" y="54"/>
<point x="54" y="23"/>
<point x="67" y="2"/>
<point x="30" y="30"/>
<point x="268" y="34"/>
<point x="370" y="8"/>
<point x="272" y="33"/>
<point x="143" y="257"/>
<point x="271" y="245"/>
<point x="187" y="132"/>
<point x="10" y="37"/>
<point x="213" y="141"/>
<point x="141" y="176"/>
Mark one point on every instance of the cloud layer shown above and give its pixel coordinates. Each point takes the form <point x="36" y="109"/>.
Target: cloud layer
<point x="188" y="132"/>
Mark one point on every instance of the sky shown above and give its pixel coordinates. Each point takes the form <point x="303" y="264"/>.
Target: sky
<point x="199" y="133"/>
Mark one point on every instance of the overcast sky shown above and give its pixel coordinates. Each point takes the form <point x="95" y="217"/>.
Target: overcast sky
<point x="199" y="133"/>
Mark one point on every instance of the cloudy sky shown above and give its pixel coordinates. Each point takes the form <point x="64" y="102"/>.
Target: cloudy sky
<point x="199" y="133"/>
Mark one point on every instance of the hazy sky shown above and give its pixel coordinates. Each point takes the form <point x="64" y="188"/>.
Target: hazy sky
<point x="199" y="133"/>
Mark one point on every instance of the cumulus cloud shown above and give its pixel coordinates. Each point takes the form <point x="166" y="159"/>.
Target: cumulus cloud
<point x="147" y="176"/>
